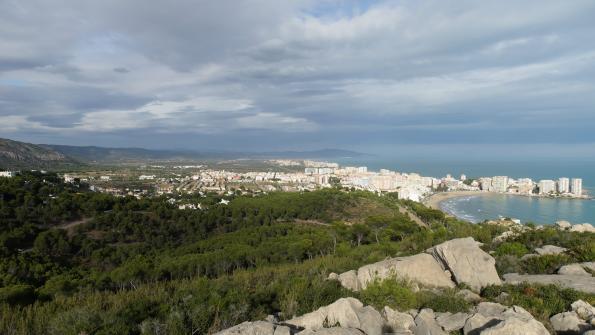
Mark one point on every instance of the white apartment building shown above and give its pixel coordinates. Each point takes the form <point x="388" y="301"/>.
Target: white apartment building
<point x="500" y="184"/>
<point x="525" y="186"/>
<point x="8" y="174"/>
<point x="576" y="186"/>
<point x="563" y="185"/>
<point x="485" y="183"/>
<point x="547" y="186"/>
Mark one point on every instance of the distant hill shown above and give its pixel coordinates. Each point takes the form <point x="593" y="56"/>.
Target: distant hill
<point x="94" y="154"/>
<point x="112" y="155"/>
<point x="19" y="155"/>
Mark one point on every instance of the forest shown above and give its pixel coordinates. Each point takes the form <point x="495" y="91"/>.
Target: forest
<point x="74" y="261"/>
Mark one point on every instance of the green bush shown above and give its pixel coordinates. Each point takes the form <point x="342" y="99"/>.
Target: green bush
<point x="394" y="293"/>
<point x="546" y="264"/>
<point x="17" y="294"/>
<point x="542" y="301"/>
<point x="511" y="248"/>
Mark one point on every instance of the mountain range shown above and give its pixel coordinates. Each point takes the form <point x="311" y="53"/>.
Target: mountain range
<point x="21" y="155"/>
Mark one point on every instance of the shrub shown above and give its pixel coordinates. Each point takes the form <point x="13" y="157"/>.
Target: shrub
<point x="390" y="292"/>
<point x="511" y="248"/>
<point x="17" y="294"/>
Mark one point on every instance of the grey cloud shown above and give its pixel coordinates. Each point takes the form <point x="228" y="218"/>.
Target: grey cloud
<point x="336" y="74"/>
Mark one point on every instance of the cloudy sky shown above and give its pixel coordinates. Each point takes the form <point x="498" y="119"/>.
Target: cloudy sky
<point x="424" y="76"/>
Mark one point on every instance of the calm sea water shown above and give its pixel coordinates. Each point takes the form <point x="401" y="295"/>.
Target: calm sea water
<point x="479" y="208"/>
<point x="527" y="209"/>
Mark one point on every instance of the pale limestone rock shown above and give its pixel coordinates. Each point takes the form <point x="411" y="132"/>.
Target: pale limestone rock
<point x="589" y="266"/>
<point x="550" y="250"/>
<point x="579" y="283"/>
<point x="425" y="324"/>
<point x="469" y="296"/>
<point x="451" y="322"/>
<point x="562" y="224"/>
<point x="515" y="326"/>
<point x="490" y="309"/>
<point x="397" y="321"/>
<point x="467" y="262"/>
<point x="569" y="323"/>
<point x="583" y="309"/>
<point x="332" y="331"/>
<point x="575" y="269"/>
<point x="250" y="328"/>
<point x="349" y="280"/>
<point x="422" y="269"/>
<point x="583" y="228"/>
<point x="346" y="313"/>
<point x="282" y="330"/>
<point x="478" y="322"/>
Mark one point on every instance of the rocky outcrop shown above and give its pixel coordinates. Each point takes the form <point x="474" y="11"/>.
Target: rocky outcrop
<point x="397" y="321"/>
<point x="459" y="261"/>
<point x="348" y="316"/>
<point x="583" y="228"/>
<point x="584" y="310"/>
<point x="252" y="328"/>
<point x="496" y="319"/>
<point x="569" y="323"/>
<point x="421" y="269"/>
<point x="452" y="322"/>
<point x="550" y="250"/>
<point x="580" y="283"/>
<point x="467" y="262"/>
<point x="425" y="324"/>
<point x="575" y="269"/>
<point x="346" y="313"/>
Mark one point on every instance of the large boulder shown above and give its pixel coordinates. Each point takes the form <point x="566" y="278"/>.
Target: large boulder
<point x="397" y="321"/>
<point x="451" y="322"/>
<point x="550" y="250"/>
<point x="467" y="262"/>
<point x="421" y="269"/>
<point x="346" y="313"/>
<point x="575" y="269"/>
<point x="490" y="309"/>
<point x="563" y="224"/>
<point x="496" y="319"/>
<point x="569" y="323"/>
<point x="250" y="328"/>
<point x="477" y="322"/>
<point x="426" y="324"/>
<point x="516" y="326"/>
<point x="583" y="228"/>
<point x="332" y="331"/>
<point x="580" y="283"/>
<point x="349" y="280"/>
<point x="583" y="309"/>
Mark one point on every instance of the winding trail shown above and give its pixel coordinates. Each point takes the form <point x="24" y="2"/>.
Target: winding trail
<point x="412" y="216"/>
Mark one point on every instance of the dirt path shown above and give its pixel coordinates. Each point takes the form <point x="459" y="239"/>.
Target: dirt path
<point x="412" y="216"/>
<point x="70" y="226"/>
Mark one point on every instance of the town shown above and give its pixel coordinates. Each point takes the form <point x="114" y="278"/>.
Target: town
<point x="303" y="175"/>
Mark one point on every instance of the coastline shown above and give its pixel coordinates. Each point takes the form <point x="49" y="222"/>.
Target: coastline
<point x="434" y="200"/>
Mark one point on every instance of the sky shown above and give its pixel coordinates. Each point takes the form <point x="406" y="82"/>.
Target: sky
<point x="424" y="77"/>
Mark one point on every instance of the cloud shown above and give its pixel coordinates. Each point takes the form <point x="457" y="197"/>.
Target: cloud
<point x="327" y="73"/>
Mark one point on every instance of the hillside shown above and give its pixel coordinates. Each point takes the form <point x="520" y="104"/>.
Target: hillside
<point x="114" y="155"/>
<point x="20" y="155"/>
<point x="144" y="266"/>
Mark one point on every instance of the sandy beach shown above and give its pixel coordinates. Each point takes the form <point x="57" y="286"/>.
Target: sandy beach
<point x="435" y="199"/>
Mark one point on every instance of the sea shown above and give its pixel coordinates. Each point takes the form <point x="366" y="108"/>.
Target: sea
<point x="486" y="207"/>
